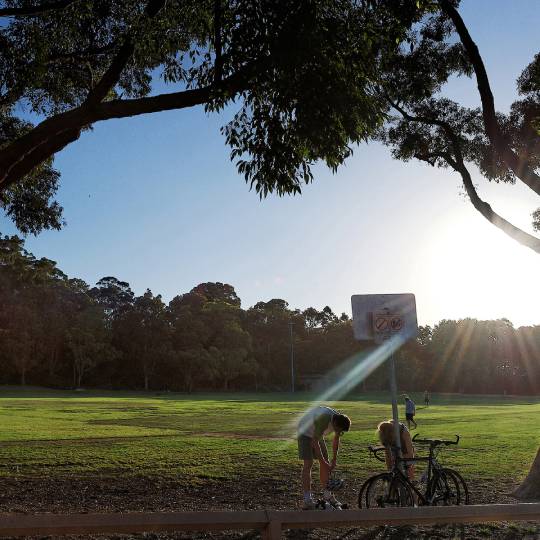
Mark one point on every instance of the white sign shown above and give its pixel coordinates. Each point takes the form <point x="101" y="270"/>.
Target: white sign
<point x="378" y="317"/>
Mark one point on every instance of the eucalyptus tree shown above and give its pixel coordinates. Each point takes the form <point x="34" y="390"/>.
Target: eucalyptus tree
<point x="424" y="125"/>
<point x="142" y="334"/>
<point x="300" y="74"/>
<point x="113" y="295"/>
<point x="190" y="363"/>
<point x="89" y="341"/>
<point x="28" y="290"/>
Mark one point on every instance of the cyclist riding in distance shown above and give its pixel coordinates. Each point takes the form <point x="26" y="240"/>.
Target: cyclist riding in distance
<point x="386" y="433"/>
<point x="312" y="427"/>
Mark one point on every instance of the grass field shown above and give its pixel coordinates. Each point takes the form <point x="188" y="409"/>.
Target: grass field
<point x="234" y="436"/>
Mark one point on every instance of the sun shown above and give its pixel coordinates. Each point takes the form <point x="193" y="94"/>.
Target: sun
<point x="475" y="270"/>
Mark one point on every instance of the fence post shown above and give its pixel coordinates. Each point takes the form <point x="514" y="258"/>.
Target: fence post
<point x="272" y="531"/>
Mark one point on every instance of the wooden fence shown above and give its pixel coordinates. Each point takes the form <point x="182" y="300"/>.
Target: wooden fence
<point x="271" y="523"/>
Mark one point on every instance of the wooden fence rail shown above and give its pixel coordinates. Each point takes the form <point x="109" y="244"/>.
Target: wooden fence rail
<point x="269" y="522"/>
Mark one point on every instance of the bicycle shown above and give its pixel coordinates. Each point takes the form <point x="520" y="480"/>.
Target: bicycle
<point x="394" y="488"/>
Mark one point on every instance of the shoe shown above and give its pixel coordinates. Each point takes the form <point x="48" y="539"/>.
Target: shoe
<point x="332" y="502"/>
<point x="309" y="504"/>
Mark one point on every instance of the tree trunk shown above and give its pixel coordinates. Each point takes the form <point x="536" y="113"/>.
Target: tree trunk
<point x="53" y="361"/>
<point x="23" y="377"/>
<point x="530" y="487"/>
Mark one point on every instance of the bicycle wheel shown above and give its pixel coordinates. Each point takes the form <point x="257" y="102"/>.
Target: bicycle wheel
<point x="361" y="494"/>
<point x="444" y="489"/>
<point x="463" y="488"/>
<point x="386" y="490"/>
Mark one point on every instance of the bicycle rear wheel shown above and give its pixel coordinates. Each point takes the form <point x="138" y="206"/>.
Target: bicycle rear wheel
<point x="463" y="488"/>
<point x="385" y="490"/>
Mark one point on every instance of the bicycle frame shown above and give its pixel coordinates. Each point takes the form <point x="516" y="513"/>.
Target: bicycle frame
<point x="428" y="497"/>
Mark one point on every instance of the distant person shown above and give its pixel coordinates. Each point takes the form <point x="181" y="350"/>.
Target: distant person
<point x="426" y="398"/>
<point x="410" y="411"/>
<point x="312" y="427"/>
<point x="386" y="433"/>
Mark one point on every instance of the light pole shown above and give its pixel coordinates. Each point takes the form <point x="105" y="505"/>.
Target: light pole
<point x="292" y="354"/>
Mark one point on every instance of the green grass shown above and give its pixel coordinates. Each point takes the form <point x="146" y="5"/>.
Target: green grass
<point x="46" y="433"/>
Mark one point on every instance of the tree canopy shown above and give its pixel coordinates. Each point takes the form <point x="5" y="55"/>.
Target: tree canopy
<point x="309" y="80"/>
<point x="425" y="125"/>
<point x="300" y="73"/>
<point x="58" y="331"/>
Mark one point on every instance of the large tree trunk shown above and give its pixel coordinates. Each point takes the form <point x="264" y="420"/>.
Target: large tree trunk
<point x="530" y="487"/>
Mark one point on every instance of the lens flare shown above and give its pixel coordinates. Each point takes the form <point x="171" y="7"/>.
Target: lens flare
<point x="349" y="374"/>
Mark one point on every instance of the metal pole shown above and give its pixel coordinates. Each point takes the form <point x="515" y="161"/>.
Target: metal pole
<point x="292" y="355"/>
<point x="393" y="390"/>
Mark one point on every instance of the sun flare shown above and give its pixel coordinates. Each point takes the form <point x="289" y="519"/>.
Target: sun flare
<point x="479" y="272"/>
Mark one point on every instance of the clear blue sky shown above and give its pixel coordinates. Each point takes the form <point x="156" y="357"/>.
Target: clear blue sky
<point x="155" y="201"/>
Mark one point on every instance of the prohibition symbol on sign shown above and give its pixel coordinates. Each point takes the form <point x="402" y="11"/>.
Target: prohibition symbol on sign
<point x="381" y="324"/>
<point x="396" y="324"/>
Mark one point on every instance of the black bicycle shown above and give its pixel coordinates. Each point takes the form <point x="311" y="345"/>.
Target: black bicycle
<point x="438" y="486"/>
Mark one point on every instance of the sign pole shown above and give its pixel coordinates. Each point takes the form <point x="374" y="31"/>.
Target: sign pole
<point x="393" y="391"/>
<point x="378" y="317"/>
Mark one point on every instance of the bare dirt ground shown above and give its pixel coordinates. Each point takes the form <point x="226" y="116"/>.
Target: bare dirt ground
<point x="137" y="494"/>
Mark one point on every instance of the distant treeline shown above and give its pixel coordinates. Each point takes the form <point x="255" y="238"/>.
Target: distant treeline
<point x="56" y="331"/>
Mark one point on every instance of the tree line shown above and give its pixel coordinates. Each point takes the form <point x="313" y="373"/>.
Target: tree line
<point x="58" y="331"/>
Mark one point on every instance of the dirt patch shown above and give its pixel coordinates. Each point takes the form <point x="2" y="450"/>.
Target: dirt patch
<point x="142" y="494"/>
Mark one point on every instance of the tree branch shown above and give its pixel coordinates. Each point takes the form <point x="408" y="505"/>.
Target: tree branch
<point x="458" y="165"/>
<point x="14" y="94"/>
<point x="53" y="134"/>
<point x="218" y="64"/>
<point x="519" y="166"/>
<point x="485" y="209"/>
<point x="32" y="11"/>
<point x="119" y="62"/>
<point x="81" y="53"/>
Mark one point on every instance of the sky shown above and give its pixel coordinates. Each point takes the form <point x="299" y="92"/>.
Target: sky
<point x="156" y="202"/>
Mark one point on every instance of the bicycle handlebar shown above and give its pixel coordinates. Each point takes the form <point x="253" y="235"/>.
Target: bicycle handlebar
<point x="434" y="442"/>
<point x="375" y="451"/>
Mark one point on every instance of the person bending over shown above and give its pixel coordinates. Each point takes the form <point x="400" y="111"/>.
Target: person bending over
<point x="386" y="433"/>
<point x="312" y="427"/>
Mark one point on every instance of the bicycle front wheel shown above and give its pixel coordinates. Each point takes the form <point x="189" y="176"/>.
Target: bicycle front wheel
<point x="463" y="488"/>
<point x="444" y="489"/>
<point x="386" y="490"/>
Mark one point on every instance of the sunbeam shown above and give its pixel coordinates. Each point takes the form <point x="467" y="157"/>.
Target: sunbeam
<point x="350" y="373"/>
